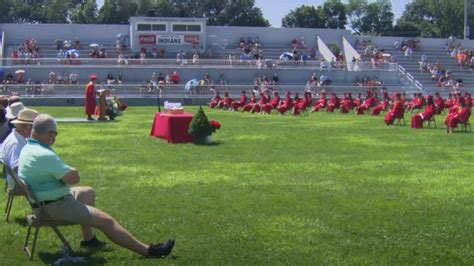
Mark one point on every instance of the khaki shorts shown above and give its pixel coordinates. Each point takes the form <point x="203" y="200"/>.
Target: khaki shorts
<point x="70" y="209"/>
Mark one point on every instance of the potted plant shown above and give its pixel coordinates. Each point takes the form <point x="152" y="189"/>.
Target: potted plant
<point x="200" y="128"/>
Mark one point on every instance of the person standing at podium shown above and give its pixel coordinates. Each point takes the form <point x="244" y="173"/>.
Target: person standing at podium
<point x="90" y="97"/>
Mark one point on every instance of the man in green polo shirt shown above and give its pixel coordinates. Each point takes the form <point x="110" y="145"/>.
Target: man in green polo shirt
<point x="50" y="179"/>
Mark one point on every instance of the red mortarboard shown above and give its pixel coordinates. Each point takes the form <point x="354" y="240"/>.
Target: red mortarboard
<point x="94" y="76"/>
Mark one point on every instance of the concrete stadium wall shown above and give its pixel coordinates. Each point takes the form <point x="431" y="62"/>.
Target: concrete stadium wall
<point x="227" y="35"/>
<point x="74" y="101"/>
<point x="47" y="33"/>
<point x="234" y="76"/>
<point x="425" y="43"/>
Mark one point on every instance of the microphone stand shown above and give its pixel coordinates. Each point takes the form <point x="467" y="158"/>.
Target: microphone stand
<point x="158" y="97"/>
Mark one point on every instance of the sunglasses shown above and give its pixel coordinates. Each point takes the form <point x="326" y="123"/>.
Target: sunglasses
<point x="55" y="133"/>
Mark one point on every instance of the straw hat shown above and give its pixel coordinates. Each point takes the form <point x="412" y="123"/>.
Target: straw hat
<point x="14" y="109"/>
<point x="26" y="116"/>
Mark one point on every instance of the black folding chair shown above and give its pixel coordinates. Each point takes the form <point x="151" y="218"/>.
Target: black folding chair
<point x="42" y="220"/>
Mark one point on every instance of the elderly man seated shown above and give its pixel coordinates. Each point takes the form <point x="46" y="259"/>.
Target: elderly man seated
<point x="16" y="140"/>
<point x="50" y="179"/>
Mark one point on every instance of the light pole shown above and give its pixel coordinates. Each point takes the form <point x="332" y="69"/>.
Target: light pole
<point x="466" y="22"/>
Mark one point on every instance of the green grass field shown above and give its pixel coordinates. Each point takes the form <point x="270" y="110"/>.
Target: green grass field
<point x="322" y="189"/>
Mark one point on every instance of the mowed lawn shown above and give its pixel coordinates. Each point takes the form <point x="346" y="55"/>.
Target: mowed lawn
<point x="321" y="189"/>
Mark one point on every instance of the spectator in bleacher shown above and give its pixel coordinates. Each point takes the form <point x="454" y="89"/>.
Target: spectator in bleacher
<point x="275" y="79"/>
<point x="73" y="78"/>
<point x="77" y="43"/>
<point x="58" y="44"/>
<point x="110" y="78"/>
<point x="142" y="58"/>
<point x="175" y="78"/>
<point x="122" y="60"/>
<point x="195" y="58"/>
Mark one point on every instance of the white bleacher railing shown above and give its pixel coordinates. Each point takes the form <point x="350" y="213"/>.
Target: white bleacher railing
<point x="138" y="90"/>
<point x="410" y="79"/>
<point x="188" y="63"/>
<point x="2" y="45"/>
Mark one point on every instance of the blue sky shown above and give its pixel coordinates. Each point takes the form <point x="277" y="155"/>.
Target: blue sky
<point x="275" y="10"/>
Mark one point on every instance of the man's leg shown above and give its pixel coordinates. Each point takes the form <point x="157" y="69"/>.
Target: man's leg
<point x="115" y="232"/>
<point x="85" y="195"/>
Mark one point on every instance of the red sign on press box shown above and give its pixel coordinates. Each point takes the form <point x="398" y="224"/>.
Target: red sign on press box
<point x="147" y="39"/>
<point x="194" y="39"/>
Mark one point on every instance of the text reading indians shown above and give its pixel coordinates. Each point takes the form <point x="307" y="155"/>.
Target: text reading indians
<point x="170" y="39"/>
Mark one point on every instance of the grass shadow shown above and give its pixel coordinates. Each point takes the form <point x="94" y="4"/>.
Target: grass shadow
<point x="214" y="143"/>
<point x="21" y="221"/>
<point x="50" y="258"/>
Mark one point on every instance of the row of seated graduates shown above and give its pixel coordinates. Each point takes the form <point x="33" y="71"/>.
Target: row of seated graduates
<point x="459" y="106"/>
<point x="298" y="105"/>
<point x="265" y="104"/>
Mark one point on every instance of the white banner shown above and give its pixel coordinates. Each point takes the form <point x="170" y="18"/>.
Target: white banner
<point x="1" y="45"/>
<point x="169" y="39"/>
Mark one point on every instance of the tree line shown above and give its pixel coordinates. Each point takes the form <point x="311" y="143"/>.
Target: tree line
<point x="425" y="18"/>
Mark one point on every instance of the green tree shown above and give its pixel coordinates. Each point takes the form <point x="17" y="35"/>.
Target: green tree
<point x="240" y="13"/>
<point x="437" y="19"/>
<point x="117" y="11"/>
<point x="304" y="17"/>
<point x="331" y="15"/>
<point x="5" y="14"/>
<point x="85" y="13"/>
<point x="374" y="18"/>
<point x="334" y="14"/>
<point x="27" y="11"/>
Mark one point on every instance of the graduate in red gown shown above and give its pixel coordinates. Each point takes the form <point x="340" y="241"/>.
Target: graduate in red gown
<point x="321" y="103"/>
<point x="369" y="101"/>
<point x="344" y="109"/>
<point x="468" y="100"/>
<point x="404" y="99"/>
<point x="334" y="103"/>
<point x="460" y="115"/>
<point x="449" y="102"/>
<point x="236" y="105"/>
<point x="302" y="104"/>
<point x="214" y="101"/>
<point x="358" y="101"/>
<point x="417" y="103"/>
<point x="253" y="101"/>
<point x="396" y="112"/>
<point x="439" y="103"/>
<point x="258" y="107"/>
<point x="382" y="106"/>
<point x="267" y="108"/>
<point x="90" y="97"/>
<point x="286" y="104"/>
<point x="275" y="101"/>
<point x="226" y="103"/>
<point x="417" y="120"/>
<point x="349" y="103"/>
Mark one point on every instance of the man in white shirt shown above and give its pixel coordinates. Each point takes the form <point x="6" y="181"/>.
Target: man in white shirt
<point x="16" y="140"/>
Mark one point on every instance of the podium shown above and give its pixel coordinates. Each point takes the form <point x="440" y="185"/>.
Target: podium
<point x="103" y="103"/>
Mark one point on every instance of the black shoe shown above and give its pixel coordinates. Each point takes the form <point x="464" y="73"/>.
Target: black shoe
<point x="93" y="243"/>
<point x="160" y="250"/>
<point x="90" y="119"/>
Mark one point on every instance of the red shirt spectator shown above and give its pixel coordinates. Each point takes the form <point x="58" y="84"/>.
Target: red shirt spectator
<point x="175" y="78"/>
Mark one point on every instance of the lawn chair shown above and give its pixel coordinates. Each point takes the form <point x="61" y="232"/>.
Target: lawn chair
<point x="38" y="221"/>
<point x="431" y="120"/>
<point x="11" y="193"/>
<point x="466" y="126"/>
<point x="401" y="121"/>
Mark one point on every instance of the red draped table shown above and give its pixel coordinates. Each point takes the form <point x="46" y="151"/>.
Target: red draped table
<point x="172" y="127"/>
